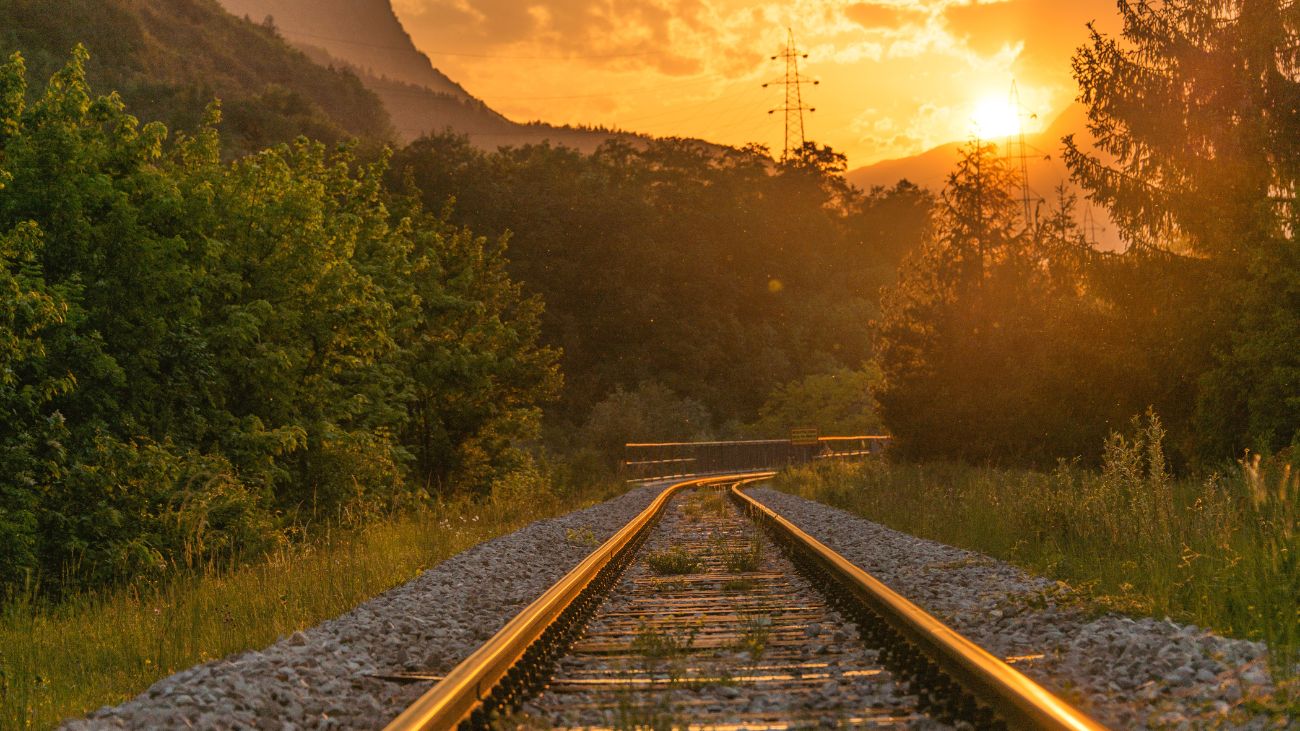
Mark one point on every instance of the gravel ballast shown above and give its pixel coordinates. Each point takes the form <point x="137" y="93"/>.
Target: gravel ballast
<point x="322" y="678"/>
<point x="1127" y="673"/>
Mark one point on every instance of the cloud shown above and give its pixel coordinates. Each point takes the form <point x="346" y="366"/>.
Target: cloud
<point x="1048" y="29"/>
<point x="693" y="67"/>
<point x="880" y="15"/>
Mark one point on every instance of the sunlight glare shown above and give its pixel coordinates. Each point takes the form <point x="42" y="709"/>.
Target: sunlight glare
<point x="995" y="117"/>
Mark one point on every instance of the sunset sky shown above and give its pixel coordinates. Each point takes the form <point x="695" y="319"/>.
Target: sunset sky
<point x="897" y="76"/>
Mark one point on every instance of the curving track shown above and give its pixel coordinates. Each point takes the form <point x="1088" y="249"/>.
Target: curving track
<point x="711" y="611"/>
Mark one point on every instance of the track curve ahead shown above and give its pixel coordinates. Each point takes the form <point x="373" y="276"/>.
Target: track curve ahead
<point x="709" y="610"/>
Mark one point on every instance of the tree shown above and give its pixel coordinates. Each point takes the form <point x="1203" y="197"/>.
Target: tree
<point x="1197" y="104"/>
<point x="838" y="403"/>
<point x="988" y="341"/>
<point x="198" y="356"/>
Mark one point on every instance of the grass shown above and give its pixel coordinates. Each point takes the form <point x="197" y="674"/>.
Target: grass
<point x="63" y="661"/>
<point x="674" y="561"/>
<point x="1220" y="551"/>
<point x="754" y="633"/>
<point x="653" y="644"/>
<point x="703" y="502"/>
<point x="580" y="537"/>
<point x="744" y="559"/>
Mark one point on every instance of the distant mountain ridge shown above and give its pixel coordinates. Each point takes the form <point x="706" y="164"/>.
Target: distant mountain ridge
<point x="368" y="37"/>
<point x="1047" y="170"/>
<point x="365" y="33"/>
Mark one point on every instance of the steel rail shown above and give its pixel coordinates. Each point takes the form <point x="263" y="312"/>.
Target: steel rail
<point x="1019" y="701"/>
<point x="465" y="688"/>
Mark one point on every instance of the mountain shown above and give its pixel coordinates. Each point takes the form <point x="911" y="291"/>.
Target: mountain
<point x="1047" y="170"/>
<point x="367" y="37"/>
<point x="365" y="33"/>
<point x="170" y="58"/>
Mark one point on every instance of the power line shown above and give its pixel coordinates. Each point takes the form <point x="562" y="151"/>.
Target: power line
<point x="794" y="108"/>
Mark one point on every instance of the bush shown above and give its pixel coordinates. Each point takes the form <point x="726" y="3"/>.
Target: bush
<point x="650" y="413"/>
<point x="142" y="510"/>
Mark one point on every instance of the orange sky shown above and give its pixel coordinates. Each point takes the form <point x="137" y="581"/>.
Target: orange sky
<point x="897" y="76"/>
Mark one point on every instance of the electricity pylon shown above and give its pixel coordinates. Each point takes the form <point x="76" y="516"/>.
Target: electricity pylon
<point x="793" y="108"/>
<point x="1022" y="155"/>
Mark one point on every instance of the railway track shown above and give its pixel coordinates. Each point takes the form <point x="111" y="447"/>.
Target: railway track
<point x="711" y="611"/>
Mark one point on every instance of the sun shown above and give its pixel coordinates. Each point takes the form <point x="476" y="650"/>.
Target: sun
<point x="995" y="117"/>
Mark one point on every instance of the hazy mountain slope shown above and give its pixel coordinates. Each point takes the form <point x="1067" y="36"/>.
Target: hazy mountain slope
<point x="930" y="169"/>
<point x="170" y="58"/>
<point x="367" y="36"/>
<point x="365" y="33"/>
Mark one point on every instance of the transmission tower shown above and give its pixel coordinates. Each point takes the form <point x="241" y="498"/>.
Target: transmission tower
<point x="793" y="108"/>
<point x="1019" y="152"/>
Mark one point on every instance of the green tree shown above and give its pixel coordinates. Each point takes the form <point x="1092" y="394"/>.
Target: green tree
<point x="197" y="355"/>
<point x="838" y="403"/>
<point x="987" y="342"/>
<point x="1196" y="103"/>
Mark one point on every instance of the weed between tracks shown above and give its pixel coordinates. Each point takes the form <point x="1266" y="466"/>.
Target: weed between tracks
<point x="754" y="633"/>
<point x="60" y="662"/>
<point x="674" y="561"/>
<point x="744" y="559"/>
<point x="1222" y="551"/>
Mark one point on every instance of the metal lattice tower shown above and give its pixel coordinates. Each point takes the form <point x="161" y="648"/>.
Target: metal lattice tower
<point x="1020" y="153"/>
<point x="793" y="108"/>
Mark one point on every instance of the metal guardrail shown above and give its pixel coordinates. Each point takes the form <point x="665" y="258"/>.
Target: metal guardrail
<point x="667" y="460"/>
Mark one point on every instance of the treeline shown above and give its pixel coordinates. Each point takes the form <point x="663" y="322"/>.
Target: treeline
<point x="1009" y="339"/>
<point x="200" y="357"/>
<point x="712" y="275"/>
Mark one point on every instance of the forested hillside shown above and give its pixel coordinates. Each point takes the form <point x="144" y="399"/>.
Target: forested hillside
<point x="717" y="274"/>
<point x="366" y="36"/>
<point x="170" y="58"/>
<point x="365" y="33"/>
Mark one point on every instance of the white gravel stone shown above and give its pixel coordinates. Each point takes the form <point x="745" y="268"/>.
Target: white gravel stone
<point x="1128" y="673"/>
<point x="321" y="678"/>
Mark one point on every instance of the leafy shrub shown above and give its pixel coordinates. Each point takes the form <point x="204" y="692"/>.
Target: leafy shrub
<point x="199" y="355"/>
<point x="651" y="412"/>
<point x="143" y="509"/>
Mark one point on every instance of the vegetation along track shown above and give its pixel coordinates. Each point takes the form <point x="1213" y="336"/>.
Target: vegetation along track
<point x="711" y="611"/>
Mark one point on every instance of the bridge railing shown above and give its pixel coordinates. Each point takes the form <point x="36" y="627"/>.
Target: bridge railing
<point x="665" y="460"/>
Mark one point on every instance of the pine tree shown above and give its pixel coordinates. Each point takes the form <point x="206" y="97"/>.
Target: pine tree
<point x="1198" y="103"/>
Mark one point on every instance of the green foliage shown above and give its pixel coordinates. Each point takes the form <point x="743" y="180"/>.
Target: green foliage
<point x="1012" y="340"/>
<point x="169" y="58"/>
<point x="104" y="648"/>
<point x="977" y="338"/>
<point x="198" y="357"/>
<point x="1196" y="103"/>
<point x="674" y="561"/>
<point x="837" y="403"/>
<point x="714" y="272"/>
<point x="650" y="413"/>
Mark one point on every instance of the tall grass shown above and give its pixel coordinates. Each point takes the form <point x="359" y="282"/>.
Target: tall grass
<point x="63" y="661"/>
<point x="1220" y="551"/>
